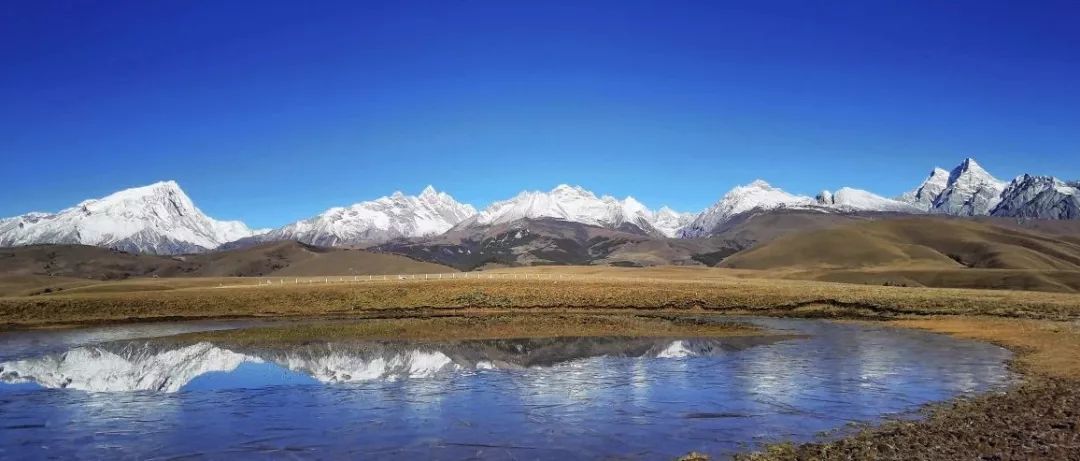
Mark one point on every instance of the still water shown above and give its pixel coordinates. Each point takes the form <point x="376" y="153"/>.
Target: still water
<point x="567" y="398"/>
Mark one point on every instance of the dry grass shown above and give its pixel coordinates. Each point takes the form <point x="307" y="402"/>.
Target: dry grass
<point x="924" y="242"/>
<point x="659" y="288"/>
<point x="482" y="325"/>
<point x="285" y="258"/>
<point x="923" y="251"/>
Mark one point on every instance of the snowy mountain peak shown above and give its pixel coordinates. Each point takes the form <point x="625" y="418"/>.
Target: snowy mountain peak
<point x="157" y="218"/>
<point x="574" y="204"/>
<point x="923" y="196"/>
<point x="573" y="190"/>
<point x="966" y="190"/>
<point x="759" y="184"/>
<point x="376" y="221"/>
<point x="970" y="191"/>
<point x="630" y="204"/>
<point x="851" y="199"/>
<point x="671" y="222"/>
<point x="1039" y="197"/>
<point x="970" y="166"/>
<point x="758" y="195"/>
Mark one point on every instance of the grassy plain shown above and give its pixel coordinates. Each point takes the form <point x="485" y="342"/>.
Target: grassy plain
<point x="664" y="288"/>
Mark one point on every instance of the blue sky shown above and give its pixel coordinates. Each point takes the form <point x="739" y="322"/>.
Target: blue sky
<point x="271" y="112"/>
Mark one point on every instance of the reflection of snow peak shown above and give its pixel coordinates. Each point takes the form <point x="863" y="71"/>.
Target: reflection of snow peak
<point x="339" y="366"/>
<point x="98" y="370"/>
<point x="131" y="367"/>
<point x="676" y="349"/>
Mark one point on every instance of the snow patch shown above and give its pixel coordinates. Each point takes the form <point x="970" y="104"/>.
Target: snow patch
<point x="677" y="349"/>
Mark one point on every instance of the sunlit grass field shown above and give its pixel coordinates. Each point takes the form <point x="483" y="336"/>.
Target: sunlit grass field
<point x="664" y="288"/>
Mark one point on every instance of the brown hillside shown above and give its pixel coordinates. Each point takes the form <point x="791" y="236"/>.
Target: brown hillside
<point x="26" y="265"/>
<point x="924" y="251"/>
<point x="923" y="242"/>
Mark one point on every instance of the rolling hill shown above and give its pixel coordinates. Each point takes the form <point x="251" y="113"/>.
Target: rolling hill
<point x="287" y="258"/>
<point x="925" y="251"/>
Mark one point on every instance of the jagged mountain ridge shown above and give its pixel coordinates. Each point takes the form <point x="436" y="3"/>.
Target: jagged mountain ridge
<point x="576" y="204"/>
<point x="970" y="191"/>
<point x="380" y="220"/>
<point x="159" y="219"/>
<point x="1039" y="197"/>
<point x="967" y="190"/>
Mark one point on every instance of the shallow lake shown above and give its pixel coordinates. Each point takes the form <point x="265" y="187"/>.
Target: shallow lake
<point x="64" y="395"/>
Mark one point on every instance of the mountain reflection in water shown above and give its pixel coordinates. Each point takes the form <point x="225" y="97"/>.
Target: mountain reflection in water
<point x="572" y="398"/>
<point x="149" y="366"/>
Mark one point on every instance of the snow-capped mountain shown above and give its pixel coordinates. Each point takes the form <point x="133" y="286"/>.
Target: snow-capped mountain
<point x="1042" y="197"/>
<point x="971" y="191"/>
<point x="159" y="218"/>
<point x="670" y="222"/>
<point x="967" y="190"/>
<point x="758" y="195"/>
<point x="576" y="204"/>
<point x="849" y="199"/>
<point x="380" y="220"/>
<point x="923" y="196"/>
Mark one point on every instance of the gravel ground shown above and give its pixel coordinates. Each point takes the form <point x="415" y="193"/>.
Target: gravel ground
<point x="1037" y="420"/>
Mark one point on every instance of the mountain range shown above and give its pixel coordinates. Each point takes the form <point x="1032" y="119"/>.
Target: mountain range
<point x="162" y="219"/>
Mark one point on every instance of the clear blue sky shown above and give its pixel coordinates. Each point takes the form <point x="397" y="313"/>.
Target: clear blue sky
<point x="271" y="112"/>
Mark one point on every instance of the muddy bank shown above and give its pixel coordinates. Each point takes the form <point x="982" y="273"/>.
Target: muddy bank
<point x="1035" y="420"/>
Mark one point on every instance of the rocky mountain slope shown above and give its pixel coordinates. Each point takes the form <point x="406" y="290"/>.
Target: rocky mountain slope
<point x="548" y="241"/>
<point x="1039" y="197"/>
<point x="923" y="196"/>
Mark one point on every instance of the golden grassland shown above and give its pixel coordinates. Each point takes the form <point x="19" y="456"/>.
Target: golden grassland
<point x="472" y="325"/>
<point x="674" y="288"/>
